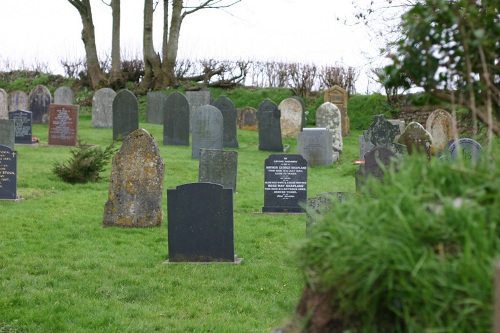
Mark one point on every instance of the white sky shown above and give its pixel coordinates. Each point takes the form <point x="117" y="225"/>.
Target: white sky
<point x="48" y="31"/>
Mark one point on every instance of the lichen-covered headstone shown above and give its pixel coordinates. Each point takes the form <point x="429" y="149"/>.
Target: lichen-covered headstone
<point x="416" y="139"/>
<point x="291" y="117"/>
<point x="63" y="95"/>
<point x="382" y="133"/>
<point x="102" y="108"/>
<point x="40" y="99"/>
<point x="247" y="119"/>
<point x="4" y="104"/>
<point x="440" y="125"/>
<point x="229" y="115"/>
<point x="328" y="116"/>
<point x="338" y="96"/>
<point x="136" y="184"/>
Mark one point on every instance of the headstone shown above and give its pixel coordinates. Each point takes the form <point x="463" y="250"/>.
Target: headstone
<point x="229" y="114"/>
<point x="125" y="114"/>
<point x="338" y="96"/>
<point x="416" y="139"/>
<point x="291" y="117"/>
<point x="8" y="173"/>
<point x="102" y="108"/>
<point x="63" y="124"/>
<point x="155" y="106"/>
<point x="303" y="104"/>
<point x="63" y="95"/>
<point x="176" y="120"/>
<point x="7" y="133"/>
<point x="197" y="99"/>
<point x="268" y="117"/>
<point x="247" y="119"/>
<point x="40" y="100"/>
<point x="18" y="100"/>
<point x="207" y="126"/>
<point x="364" y="147"/>
<point x="328" y="116"/>
<point x="136" y="184"/>
<point x="382" y="133"/>
<point x="23" y="126"/>
<point x="372" y="167"/>
<point x="321" y="204"/>
<point x="285" y="183"/>
<point x="465" y="149"/>
<point x="315" y="145"/>
<point x="440" y="125"/>
<point x="218" y="167"/>
<point x="4" y="104"/>
<point x="200" y="223"/>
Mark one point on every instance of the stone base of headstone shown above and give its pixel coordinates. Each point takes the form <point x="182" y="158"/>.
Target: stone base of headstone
<point x="14" y="200"/>
<point x="282" y="210"/>
<point x="236" y="261"/>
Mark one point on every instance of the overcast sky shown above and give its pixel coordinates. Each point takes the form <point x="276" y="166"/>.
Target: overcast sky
<point x="48" y="31"/>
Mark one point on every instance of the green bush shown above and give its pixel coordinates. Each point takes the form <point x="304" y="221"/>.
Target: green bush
<point x="85" y="164"/>
<point x="415" y="254"/>
<point x="362" y="109"/>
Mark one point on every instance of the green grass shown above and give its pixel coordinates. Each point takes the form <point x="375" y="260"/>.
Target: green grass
<point x="61" y="271"/>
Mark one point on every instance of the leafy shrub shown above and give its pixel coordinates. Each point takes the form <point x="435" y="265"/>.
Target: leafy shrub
<point x="85" y="164"/>
<point x="415" y="254"/>
<point x="362" y="109"/>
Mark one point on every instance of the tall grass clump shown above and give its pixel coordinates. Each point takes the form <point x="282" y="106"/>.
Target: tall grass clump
<point x="415" y="254"/>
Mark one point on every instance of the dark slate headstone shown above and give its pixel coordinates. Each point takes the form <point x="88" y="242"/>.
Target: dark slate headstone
<point x="136" y="184"/>
<point x="176" y="120"/>
<point x="18" y="100"/>
<point x="197" y="99"/>
<point x="285" y="183"/>
<point x="40" y="100"/>
<point x="63" y="124"/>
<point x="155" y="105"/>
<point x="8" y="173"/>
<point x="102" y="108"/>
<point x="125" y="114"/>
<point x="4" y="104"/>
<point x="218" y="167"/>
<point x="268" y="116"/>
<point x="207" y="126"/>
<point x="7" y="133"/>
<point x="247" y="119"/>
<point x="315" y="144"/>
<point x="372" y="168"/>
<point x="229" y="114"/>
<point x="200" y="223"/>
<point x="23" y="126"/>
<point x="63" y="95"/>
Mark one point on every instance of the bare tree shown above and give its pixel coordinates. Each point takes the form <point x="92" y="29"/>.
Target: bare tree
<point x="115" y="76"/>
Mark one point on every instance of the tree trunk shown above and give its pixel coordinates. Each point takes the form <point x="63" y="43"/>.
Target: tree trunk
<point x="88" y="37"/>
<point x="152" y="61"/>
<point x="115" y="78"/>
<point x="171" y="44"/>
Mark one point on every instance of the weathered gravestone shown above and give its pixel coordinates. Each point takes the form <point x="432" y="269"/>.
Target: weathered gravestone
<point x="416" y="139"/>
<point x="207" y="126"/>
<point x="338" y="96"/>
<point x="382" y="133"/>
<point x="63" y="124"/>
<point x="291" y="118"/>
<point x="136" y="184"/>
<point x="197" y="99"/>
<point x="328" y="116"/>
<point x="176" y="120"/>
<point x="315" y="145"/>
<point x="40" y="100"/>
<point x="364" y="146"/>
<point x="23" y="126"/>
<point x="285" y="183"/>
<point x="268" y="117"/>
<point x="247" y="119"/>
<point x="200" y="223"/>
<point x="102" y="108"/>
<point x="321" y="204"/>
<point x="155" y="107"/>
<point x="8" y="173"/>
<point x="18" y="100"/>
<point x="229" y="114"/>
<point x="125" y="114"/>
<point x="303" y="104"/>
<point x="63" y="95"/>
<point x="440" y="125"/>
<point x="4" y="104"/>
<point x="218" y="167"/>
<point x="372" y="168"/>
<point x="7" y="133"/>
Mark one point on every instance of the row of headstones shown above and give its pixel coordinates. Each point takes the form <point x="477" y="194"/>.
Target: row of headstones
<point x="387" y="141"/>
<point x="37" y="101"/>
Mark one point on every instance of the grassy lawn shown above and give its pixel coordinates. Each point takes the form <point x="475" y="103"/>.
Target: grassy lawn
<point x="61" y="271"/>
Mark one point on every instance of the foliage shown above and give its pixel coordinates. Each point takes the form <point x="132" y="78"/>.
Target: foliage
<point x="450" y="48"/>
<point x="414" y="254"/>
<point x="85" y="164"/>
<point x="362" y="109"/>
